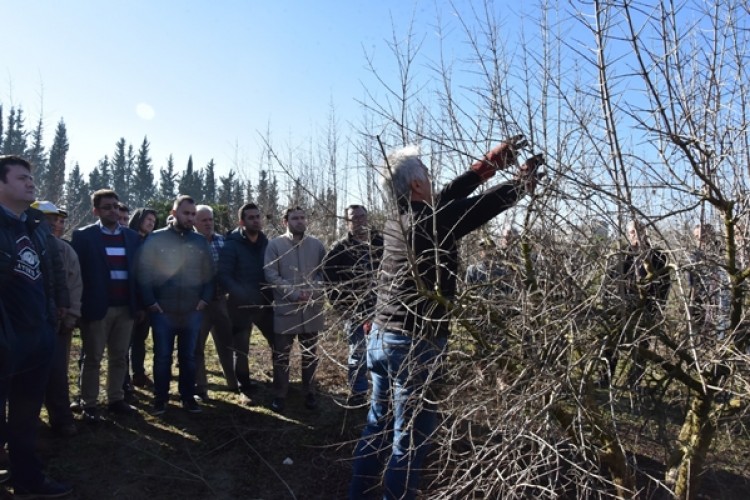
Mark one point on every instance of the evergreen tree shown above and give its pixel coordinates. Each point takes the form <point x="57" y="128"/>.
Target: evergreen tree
<point x="38" y="158"/>
<point x="121" y="171"/>
<point x="77" y="200"/>
<point x="236" y="199"/>
<point x="167" y="180"/>
<point x="1" y="128"/>
<point x="100" y="177"/>
<point x="249" y="192"/>
<point x="209" y="182"/>
<point x="15" y="136"/>
<point x="191" y="182"/>
<point x="55" y="180"/>
<point x="226" y="185"/>
<point x="143" y="188"/>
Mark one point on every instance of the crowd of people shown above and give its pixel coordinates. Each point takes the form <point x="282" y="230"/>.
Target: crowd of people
<point x="121" y="278"/>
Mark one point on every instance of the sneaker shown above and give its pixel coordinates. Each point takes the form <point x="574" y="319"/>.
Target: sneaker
<point x="142" y="380"/>
<point x="202" y="397"/>
<point x="47" y="489"/>
<point x="278" y="405"/>
<point x="245" y="400"/>
<point x="160" y="408"/>
<point x="91" y="415"/>
<point x="311" y="402"/>
<point x="121" y="408"/>
<point x="190" y="406"/>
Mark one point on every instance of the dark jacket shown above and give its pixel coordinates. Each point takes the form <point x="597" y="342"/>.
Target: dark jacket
<point x="175" y="270"/>
<point x="89" y="245"/>
<point x="241" y="270"/>
<point x="420" y="256"/>
<point x="138" y="215"/>
<point x="55" y="288"/>
<point x="643" y="279"/>
<point x="350" y="268"/>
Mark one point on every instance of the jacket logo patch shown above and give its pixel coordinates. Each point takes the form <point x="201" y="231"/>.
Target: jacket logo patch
<point x="28" y="260"/>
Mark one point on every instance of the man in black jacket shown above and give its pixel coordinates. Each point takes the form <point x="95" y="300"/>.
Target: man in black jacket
<point x="248" y="299"/>
<point x="350" y="269"/>
<point x="33" y="296"/>
<point x="416" y="286"/>
<point x="175" y="278"/>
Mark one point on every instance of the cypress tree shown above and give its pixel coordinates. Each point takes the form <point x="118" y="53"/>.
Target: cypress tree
<point x="100" y="177"/>
<point x="167" y="180"/>
<point x="38" y="158"/>
<point x="209" y="182"/>
<point x="15" y="136"/>
<point x="77" y="200"/>
<point x="143" y="189"/>
<point x="120" y="171"/>
<point x="191" y="182"/>
<point x="55" y="180"/>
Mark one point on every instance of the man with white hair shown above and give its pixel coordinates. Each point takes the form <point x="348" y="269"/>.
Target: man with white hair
<point x="215" y="316"/>
<point x="417" y="283"/>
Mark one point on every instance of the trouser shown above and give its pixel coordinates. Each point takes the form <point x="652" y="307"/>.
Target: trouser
<point x="216" y="321"/>
<point x="57" y="396"/>
<point x="357" y="361"/>
<point x="243" y="321"/>
<point x="402" y="417"/>
<point x="166" y="328"/>
<point x="23" y="391"/>
<point x="113" y="332"/>
<point x="138" y="346"/>
<point x="282" y="348"/>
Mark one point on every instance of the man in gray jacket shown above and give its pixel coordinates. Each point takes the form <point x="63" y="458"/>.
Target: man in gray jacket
<point x="175" y="278"/>
<point x="293" y="270"/>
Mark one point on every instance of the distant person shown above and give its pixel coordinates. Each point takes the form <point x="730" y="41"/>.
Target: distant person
<point x="33" y="297"/>
<point x="143" y="221"/>
<point x="175" y="278"/>
<point x="708" y="282"/>
<point x="124" y="214"/>
<point x="107" y="252"/>
<point x="411" y="327"/>
<point x="293" y="269"/>
<point x="215" y="316"/>
<point x="248" y="296"/>
<point x="350" y="269"/>
<point x="57" y="399"/>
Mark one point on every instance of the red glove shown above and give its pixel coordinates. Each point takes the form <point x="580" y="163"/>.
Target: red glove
<point x="499" y="157"/>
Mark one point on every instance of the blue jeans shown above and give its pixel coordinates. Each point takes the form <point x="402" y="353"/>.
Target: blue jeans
<point x="165" y="328"/>
<point x="357" y="362"/>
<point x="402" y="414"/>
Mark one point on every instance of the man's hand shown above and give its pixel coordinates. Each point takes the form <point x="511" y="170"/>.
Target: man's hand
<point x="499" y="157"/>
<point x="529" y="174"/>
<point x="202" y="304"/>
<point x="155" y="308"/>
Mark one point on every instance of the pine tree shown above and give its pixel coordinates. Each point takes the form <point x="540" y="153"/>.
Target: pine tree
<point x="38" y="158"/>
<point x="143" y="188"/>
<point x="55" y="180"/>
<point x="121" y="172"/>
<point x="15" y="136"/>
<point x="209" y="182"/>
<point x="100" y="177"/>
<point x="167" y="180"/>
<point x="225" y="189"/>
<point x="1" y="128"/>
<point x="191" y="182"/>
<point x="77" y="200"/>
<point x="236" y="199"/>
<point x="249" y="192"/>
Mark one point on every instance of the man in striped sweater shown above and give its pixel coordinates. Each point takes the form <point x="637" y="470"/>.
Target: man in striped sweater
<point x="106" y="251"/>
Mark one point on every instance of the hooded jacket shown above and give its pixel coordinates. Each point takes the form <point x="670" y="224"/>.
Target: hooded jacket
<point x="241" y="270"/>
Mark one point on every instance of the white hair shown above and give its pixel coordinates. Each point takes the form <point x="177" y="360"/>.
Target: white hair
<point x="204" y="208"/>
<point x="402" y="167"/>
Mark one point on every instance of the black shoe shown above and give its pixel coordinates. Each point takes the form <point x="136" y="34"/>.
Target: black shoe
<point x="311" y="402"/>
<point x="278" y="405"/>
<point x="121" y="408"/>
<point x="190" y="406"/>
<point x="76" y="406"/>
<point x="66" y="430"/>
<point x="160" y="408"/>
<point x="202" y="397"/>
<point x="47" y="489"/>
<point x="91" y="415"/>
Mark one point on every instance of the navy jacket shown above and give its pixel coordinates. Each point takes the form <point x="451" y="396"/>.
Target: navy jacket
<point x="88" y="244"/>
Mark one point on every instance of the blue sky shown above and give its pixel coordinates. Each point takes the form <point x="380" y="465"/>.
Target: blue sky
<point x="194" y="76"/>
